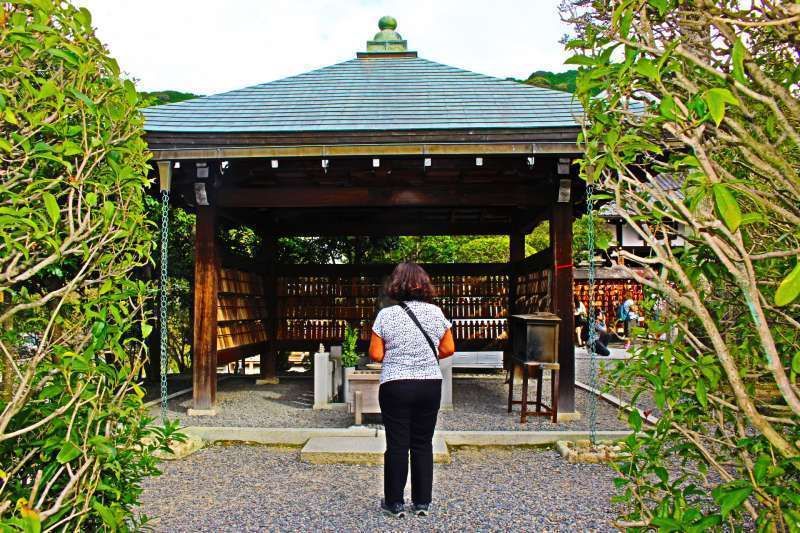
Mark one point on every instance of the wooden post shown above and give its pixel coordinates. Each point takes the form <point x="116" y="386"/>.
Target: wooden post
<point x="561" y="243"/>
<point x="268" y="365"/>
<point x="206" y="275"/>
<point x="516" y="248"/>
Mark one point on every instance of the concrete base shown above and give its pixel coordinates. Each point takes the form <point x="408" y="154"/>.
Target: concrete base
<point x="521" y="438"/>
<point x="201" y="412"/>
<point x="179" y="450"/>
<point x="569" y="417"/>
<point x="267" y="381"/>
<point x="358" y="450"/>
<point x="299" y="436"/>
<point x="274" y="436"/>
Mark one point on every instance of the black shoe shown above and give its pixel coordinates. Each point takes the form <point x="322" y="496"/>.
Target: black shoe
<point x="422" y="509"/>
<point x="396" y="510"/>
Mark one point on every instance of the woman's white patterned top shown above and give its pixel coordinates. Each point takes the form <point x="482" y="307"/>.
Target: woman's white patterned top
<point x="407" y="355"/>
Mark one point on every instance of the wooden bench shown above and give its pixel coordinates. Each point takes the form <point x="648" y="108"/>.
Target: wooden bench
<point x="479" y="360"/>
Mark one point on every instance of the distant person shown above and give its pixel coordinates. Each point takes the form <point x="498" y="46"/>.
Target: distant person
<point x="579" y="310"/>
<point x="629" y="317"/>
<point x="409" y="338"/>
<point x="602" y="335"/>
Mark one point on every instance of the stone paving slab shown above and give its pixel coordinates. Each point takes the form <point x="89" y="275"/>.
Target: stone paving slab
<point x="359" y="450"/>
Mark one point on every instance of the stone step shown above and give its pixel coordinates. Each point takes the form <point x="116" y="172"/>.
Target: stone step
<point x="358" y="450"/>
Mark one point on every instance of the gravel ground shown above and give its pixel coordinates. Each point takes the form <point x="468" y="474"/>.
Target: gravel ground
<point x="605" y="364"/>
<point x="251" y="488"/>
<point x="480" y="404"/>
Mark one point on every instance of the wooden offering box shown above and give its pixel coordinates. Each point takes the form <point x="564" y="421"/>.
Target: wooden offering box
<point x="535" y="337"/>
<point x="363" y="393"/>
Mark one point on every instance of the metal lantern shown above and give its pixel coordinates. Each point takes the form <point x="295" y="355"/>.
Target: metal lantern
<point x="535" y="337"/>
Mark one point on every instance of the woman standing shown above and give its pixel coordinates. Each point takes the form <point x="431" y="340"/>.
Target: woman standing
<point x="409" y="339"/>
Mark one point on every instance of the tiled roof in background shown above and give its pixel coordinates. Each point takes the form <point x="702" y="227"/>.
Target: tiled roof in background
<point x="371" y="94"/>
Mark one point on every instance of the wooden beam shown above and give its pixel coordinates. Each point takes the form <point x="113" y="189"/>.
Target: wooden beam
<point x="467" y="195"/>
<point x="561" y="244"/>
<point x="516" y="254"/>
<point x="206" y="274"/>
<point x="235" y="152"/>
<point x="269" y="357"/>
<point x="380" y="228"/>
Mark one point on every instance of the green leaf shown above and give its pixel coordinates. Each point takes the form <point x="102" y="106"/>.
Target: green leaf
<point x="579" y="59"/>
<point x="761" y="467"/>
<point x="53" y="211"/>
<point x="716" y="99"/>
<point x="796" y="362"/>
<point x="737" y="56"/>
<point x="635" y="420"/>
<point x="727" y="207"/>
<point x="700" y="391"/>
<point x="106" y="286"/>
<point x="83" y="98"/>
<point x="68" y="452"/>
<point x="666" y="524"/>
<point x="789" y="288"/>
<point x="753" y="218"/>
<point x="647" y="68"/>
<point x="5" y="145"/>
<point x="667" y="107"/>
<point x="661" y="5"/>
<point x="47" y="90"/>
<point x="109" y="518"/>
<point x="730" y="500"/>
<point x="147" y="329"/>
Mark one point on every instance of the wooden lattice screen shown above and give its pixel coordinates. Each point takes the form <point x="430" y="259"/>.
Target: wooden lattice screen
<point x="316" y="308"/>
<point x="241" y="310"/>
<point x="534" y="277"/>
<point x="313" y="303"/>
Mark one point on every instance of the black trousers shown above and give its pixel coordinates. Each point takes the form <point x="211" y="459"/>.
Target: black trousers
<point x="409" y="408"/>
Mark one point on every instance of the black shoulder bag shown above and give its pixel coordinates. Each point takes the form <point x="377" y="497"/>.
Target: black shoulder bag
<point x="424" y="333"/>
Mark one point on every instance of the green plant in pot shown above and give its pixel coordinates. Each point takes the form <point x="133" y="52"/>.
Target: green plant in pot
<point x="349" y="355"/>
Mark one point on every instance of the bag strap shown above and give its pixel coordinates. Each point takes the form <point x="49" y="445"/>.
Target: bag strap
<point x="414" y="318"/>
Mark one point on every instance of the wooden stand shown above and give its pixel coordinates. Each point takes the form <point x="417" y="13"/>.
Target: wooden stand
<point x="538" y="369"/>
<point x="363" y="391"/>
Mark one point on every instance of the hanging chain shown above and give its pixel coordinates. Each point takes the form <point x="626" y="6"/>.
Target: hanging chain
<point x="592" y="331"/>
<point x="162" y="308"/>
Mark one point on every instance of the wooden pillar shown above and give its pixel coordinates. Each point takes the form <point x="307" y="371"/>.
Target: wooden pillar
<point x="268" y="365"/>
<point x="206" y="275"/>
<point x="516" y="248"/>
<point x="561" y="243"/>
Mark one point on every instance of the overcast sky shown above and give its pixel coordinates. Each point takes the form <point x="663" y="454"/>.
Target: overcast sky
<point x="211" y="46"/>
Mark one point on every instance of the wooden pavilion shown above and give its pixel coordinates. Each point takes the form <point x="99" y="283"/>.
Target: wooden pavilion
<point x="385" y="144"/>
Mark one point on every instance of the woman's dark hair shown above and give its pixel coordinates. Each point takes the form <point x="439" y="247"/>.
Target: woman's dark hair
<point x="409" y="281"/>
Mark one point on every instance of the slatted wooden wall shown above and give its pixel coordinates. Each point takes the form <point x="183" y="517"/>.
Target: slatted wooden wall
<point x="241" y="311"/>
<point x="317" y="307"/>
<point x="534" y="277"/>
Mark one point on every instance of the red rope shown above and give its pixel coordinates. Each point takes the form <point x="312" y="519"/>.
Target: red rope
<point x="568" y="265"/>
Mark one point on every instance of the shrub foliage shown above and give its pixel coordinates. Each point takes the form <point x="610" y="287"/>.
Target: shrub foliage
<point x="705" y="92"/>
<point x="73" y="230"/>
